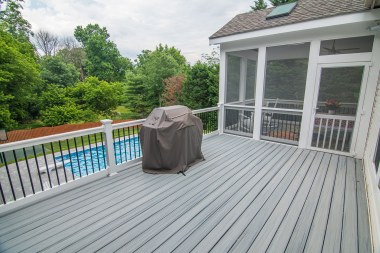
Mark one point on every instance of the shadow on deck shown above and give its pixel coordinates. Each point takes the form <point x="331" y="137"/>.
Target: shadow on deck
<point x="246" y="196"/>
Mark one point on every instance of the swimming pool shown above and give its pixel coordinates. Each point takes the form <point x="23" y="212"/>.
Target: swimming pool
<point x="88" y="161"/>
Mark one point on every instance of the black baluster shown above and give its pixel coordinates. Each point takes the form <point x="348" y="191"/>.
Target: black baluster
<point x="129" y="144"/>
<point x="134" y="141"/>
<point x="9" y="177"/>
<point x="71" y="160"/>
<point x="92" y="160"/>
<point x="2" y="194"/>
<point x="97" y="151"/>
<point x="121" y="157"/>
<point x="84" y="155"/>
<point x="38" y="168"/>
<point x="28" y="168"/>
<point x="125" y="146"/>
<point x="63" y="162"/>
<point x="114" y="145"/>
<point x="19" y="173"/>
<point x="76" y="152"/>
<point x="103" y="150"/>
<point x="55" y="164"/>
<point x="46" y="164"/>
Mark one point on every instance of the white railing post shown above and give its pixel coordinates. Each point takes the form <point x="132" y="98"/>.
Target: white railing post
<point x="221" y="118"/>
<point x="110" y="154"/>
<point x="260" y="84"/>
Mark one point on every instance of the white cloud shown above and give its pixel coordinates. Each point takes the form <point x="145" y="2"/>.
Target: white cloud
<point x="135" y="25"/>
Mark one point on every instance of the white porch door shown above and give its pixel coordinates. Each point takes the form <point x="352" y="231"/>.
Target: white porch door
<point x="338" y="106"/>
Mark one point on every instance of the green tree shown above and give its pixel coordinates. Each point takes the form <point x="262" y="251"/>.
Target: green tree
<point x="280" y="2"/>
<point x="6" y="121"/>
<point x="259" y="5"/>
<point x="98" y="96"/>
<point x="103" y="58"/>
<point x="136" y="95"/>
<point x="12" y="21"/>
<point x="19" y="76"/>
<point x="61" y="114"/>
<point x="152" y="68"/>
<point x="75" y="56"/>
<point x="200" y="90"/>
<point x="55" y="70"/>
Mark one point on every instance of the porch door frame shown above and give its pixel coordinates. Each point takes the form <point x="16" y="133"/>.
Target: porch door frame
<point x="360" y="112"/>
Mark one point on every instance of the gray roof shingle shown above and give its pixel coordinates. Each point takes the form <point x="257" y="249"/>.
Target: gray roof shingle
<point x="304" y="11"/>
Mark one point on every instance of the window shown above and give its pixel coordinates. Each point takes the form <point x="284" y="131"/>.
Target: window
<point x="233" y="79"/>
<point x="347" y="45"/>
<point x="285" y="80"/>
<point x="241" y="77"/>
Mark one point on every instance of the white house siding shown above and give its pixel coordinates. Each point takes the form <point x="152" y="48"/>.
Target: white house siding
<point x="371" y="177"/>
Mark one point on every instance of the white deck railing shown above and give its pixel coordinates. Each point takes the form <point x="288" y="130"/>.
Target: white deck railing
<point x="36" y="165"/>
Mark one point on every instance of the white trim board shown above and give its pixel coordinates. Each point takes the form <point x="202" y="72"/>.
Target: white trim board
<point x="353" y="18"/>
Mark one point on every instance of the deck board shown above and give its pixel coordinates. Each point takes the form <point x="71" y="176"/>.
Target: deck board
<point x="246" y="196"/>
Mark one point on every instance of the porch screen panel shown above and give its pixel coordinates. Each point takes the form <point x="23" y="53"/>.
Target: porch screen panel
<point x="250" y="86"/>
<point x="286" y="70"/>
<point x="233" y="78"/>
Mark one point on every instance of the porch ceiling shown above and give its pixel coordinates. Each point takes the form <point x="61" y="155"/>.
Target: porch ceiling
<point x="246" y="195"/>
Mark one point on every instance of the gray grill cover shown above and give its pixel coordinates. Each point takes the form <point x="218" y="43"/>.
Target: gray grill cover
<point x="171" y="139"/>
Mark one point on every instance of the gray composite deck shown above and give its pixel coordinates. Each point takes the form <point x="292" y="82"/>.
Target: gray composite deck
<point x="246" y="196"/>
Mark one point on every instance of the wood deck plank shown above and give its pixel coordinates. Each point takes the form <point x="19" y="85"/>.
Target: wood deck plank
<point x="301" y="205"/>
<point x="43" y="232"/>
<point x="234" y="222"/>
<point x="254" y="228"/>
<point x="364" y="238"/>
<point x="349" y="241"/>
<point x="246" y="196"/>
<point x="196" y="229"/>
<point x="333" y="235"/>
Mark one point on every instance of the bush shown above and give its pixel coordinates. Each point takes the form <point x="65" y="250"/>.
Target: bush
<point x="62" y="114"/>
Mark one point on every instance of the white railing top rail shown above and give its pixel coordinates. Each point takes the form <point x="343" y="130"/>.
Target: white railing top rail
<point x="69" y="135"/>
<point x="47" y="139"/>
<point x="336" y="117"/>
<point x="128" y="123"/>
<point x="246" y="107"/>
<point x="284" y="110"/>
<point x="210" y="109"/>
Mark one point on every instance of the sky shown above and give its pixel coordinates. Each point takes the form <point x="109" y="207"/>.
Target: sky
<point x="135" y="25"/>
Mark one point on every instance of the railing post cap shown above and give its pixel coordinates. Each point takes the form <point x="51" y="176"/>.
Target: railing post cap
<point x="106" y="121"/>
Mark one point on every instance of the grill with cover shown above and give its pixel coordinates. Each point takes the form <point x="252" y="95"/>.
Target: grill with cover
<point x="171" y="139"/>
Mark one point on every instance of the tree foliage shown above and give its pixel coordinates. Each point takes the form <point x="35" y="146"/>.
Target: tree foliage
<point x="152" y="68"/>
<point x="98" y="96"/>
<point x="172" y="90"/>
<point x="200" y="90"/>
<point x="12" y="21"/>
<point x="103" y="57"/>
<point x="280" y="2"/>
<point x="259" y="5"/>
<point x="75" y="56"/>
<point x="55" y="70"/>
<point x="19" y="75"/>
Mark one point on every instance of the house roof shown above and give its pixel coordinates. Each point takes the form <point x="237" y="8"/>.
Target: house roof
<point x="304" y="11"/>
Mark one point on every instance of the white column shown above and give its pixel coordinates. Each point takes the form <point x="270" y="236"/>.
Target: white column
<point x="259" y="94"/>
<point x="110" y="154"/>
<point x="243" y="78"/>
<point x="310" y="90"/>
<point x="222" y="89"/>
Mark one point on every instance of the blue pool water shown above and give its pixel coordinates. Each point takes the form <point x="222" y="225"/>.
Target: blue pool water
<point x="94" y="158"/>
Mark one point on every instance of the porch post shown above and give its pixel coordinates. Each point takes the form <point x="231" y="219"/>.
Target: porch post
<point x="308" y="110"/>
<point x="110" y="152"/>
<point x="222" y="89"/>
<point x="259" y="97"/>
<point x="243" y="78"/>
